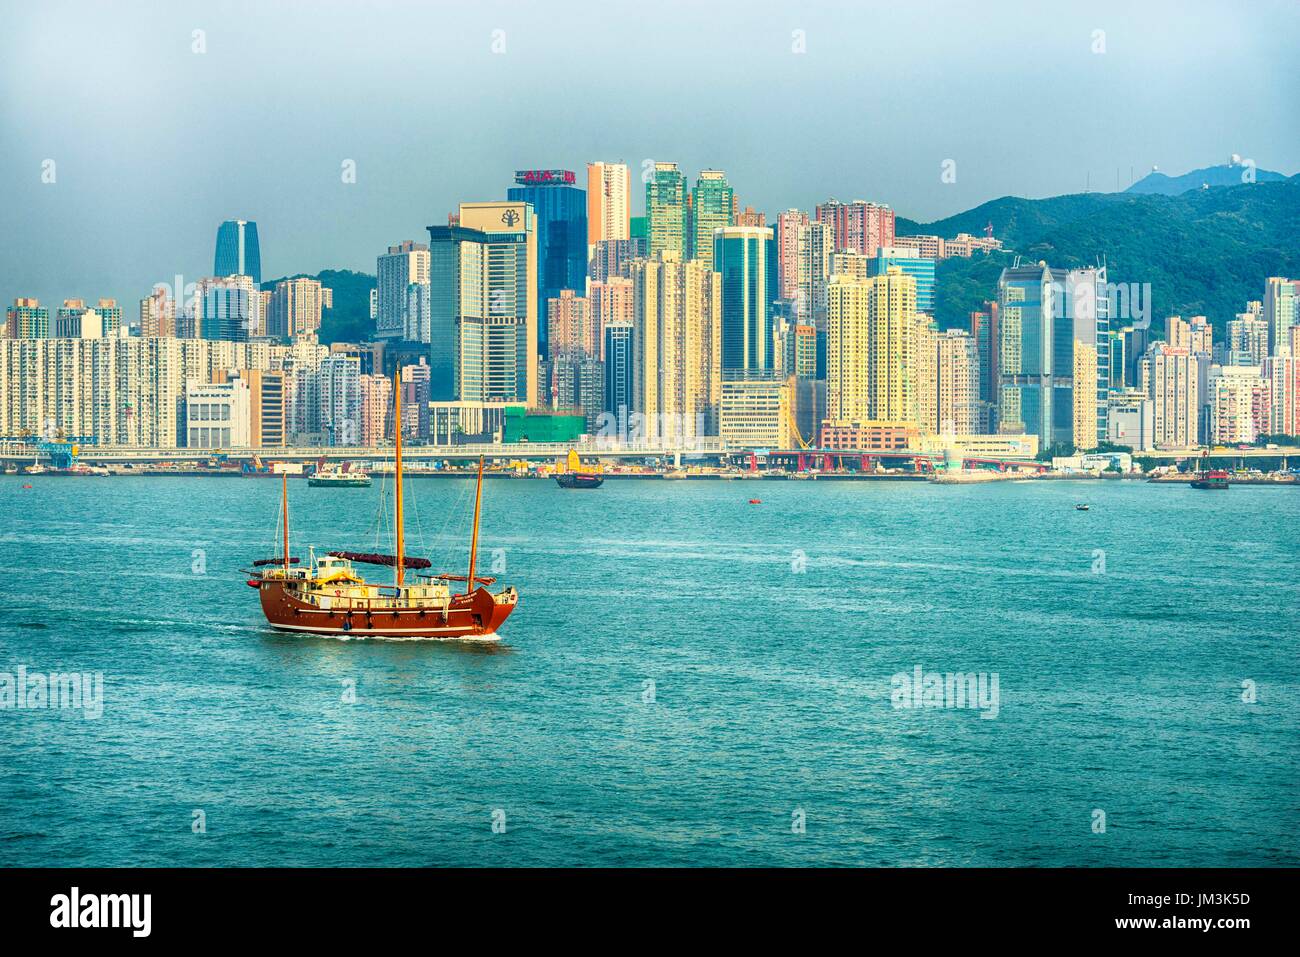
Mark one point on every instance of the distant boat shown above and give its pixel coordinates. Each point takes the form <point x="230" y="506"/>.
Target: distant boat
<point x="1211" y="480"/>
<point x="578" y="480"/>
<point x="1081" y="507"/>
<point x="340" y="479"/>
<point x="574" y="477"/>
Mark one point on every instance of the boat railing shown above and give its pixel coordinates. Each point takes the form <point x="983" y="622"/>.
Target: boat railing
<point x="367" y="604"/>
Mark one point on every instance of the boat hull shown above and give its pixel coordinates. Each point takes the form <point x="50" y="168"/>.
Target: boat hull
<point x="578" y="480"/>
<point x="474" y="616"/>
<point x="361" y="482"/>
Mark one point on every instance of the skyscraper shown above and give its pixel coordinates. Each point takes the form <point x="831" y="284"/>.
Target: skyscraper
<point x="711" y="209"/>
<point x="620" y="366"/>
<point x="665" y="207"/>
<point x="238" y="253"/>
<point x="27" y="319"/>
<point x="229" y="308"/>
<point x="609" y="207"/>
<point x="1047" y="318"/>
<point x="560" y="209"/>
<point x="813" y="250"/>
<point x="787" y="251"/>
<point x="1171" y="378"/>
<point x="404" y="265"/>
<point x="859" y="226"/>
<point x="1281" y="311"/>
<point x="676" y="347"/>
<point x="296" y="308"/>
<point x="1247" y="339"/>
<point x="483" y="305"/>
<point x="611" y="301"/>
<point x="1196" y="335"/>
<point x="915" y="265"/>
<point x="570" y="325"/>
<point x="958" y="380"/>
<point x="744" y="258"/>
<point x="158" y="313"/>
<point x="609" y="257"/>
<point x="871" y="342"/>
<point x="984" y="331"/>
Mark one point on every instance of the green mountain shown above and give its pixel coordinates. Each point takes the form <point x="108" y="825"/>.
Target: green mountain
<point x="1204" y="252"/>
<point x="349" y="320"/>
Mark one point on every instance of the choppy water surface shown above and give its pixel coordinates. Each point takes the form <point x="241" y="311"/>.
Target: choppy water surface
<point x="687" y="678"/>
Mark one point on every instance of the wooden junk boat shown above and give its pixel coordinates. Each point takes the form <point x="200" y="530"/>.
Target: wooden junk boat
<point x="328" y="596"/>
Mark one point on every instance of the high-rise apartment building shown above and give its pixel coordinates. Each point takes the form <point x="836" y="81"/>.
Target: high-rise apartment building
<point x="158" y="313"/>
<point x="859" y="226"/>
<point x="609" y="257"/>
<point x="677" y="347"/>
<point x="571" y="327"/>
<point x="296" y="307"/>
<point x="27" y="319"/>
<point x="1196" y="335"/>
<point x="788" y="224"/>
<point x="1247" y="339"/>
<point x="1283" y="376"/>
<point x="121" y="390"/>
<point x="74" y="321"/>
<point x="1171" y="378"/>
<point x="813" y="254"/>
<point x="1241" y="405"/>
<point x="609" y="209"/>
<point x="1281" y="310"/>
<point x="871" y="342"/>
<point x="613" y="300"/>
<point x="958" y="380"/>
<point x="396" y="271"/>
<point x="711" y="210"/>
<point x="666" y="212"/>
<point x="238" y="252"/>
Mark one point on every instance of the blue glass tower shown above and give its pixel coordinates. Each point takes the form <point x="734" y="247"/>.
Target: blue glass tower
<point x="919" y="268"/>
<point x="561" y="209"/>
<point x="237" y="250"/>
<point x="745" y="256"/>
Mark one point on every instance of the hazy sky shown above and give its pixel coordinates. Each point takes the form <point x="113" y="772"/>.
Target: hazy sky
<point x="155" y="144"/>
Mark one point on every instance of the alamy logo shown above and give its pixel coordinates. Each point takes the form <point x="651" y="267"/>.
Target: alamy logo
<point x="36" y="691"/>
<point x="932" y="689"/>
<point x="103" y="910"/>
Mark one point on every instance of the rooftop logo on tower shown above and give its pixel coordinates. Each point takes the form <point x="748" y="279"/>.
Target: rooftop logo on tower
<point x="544" y="177"/>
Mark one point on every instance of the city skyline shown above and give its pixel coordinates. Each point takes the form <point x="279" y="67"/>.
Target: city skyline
<point x="135" y="193"/>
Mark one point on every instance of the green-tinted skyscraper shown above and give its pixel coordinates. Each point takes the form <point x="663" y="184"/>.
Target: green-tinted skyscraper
<point x="665" y="208"/>
<point x="712" y="206"/>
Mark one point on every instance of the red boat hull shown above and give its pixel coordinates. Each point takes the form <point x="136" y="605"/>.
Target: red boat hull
<point x="477" y="615"/>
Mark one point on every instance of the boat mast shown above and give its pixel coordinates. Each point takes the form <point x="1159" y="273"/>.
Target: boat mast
<point x="397" y="483"/>
<point x="284" y="508"/>
<point x="473" y="542"/>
